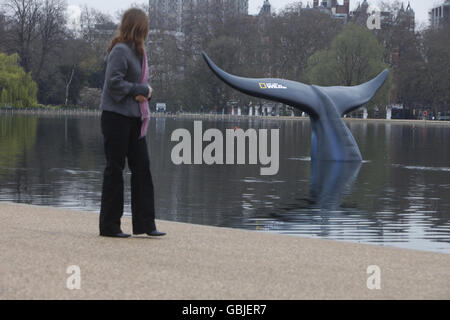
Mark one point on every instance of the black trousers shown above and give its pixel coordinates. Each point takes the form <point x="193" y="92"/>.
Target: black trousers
<point x="121" y="141"/>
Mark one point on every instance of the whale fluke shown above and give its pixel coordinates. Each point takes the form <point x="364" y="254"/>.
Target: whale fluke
<point x="331" y="139"/>
<point x="258" y="88"/>
<point x="348" y="99"/>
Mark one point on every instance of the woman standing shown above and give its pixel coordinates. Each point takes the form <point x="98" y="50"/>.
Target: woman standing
<point x="124" y="124"/>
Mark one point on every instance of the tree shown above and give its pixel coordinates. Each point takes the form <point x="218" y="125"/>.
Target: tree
<point x="51" y="29"/>
<point x="36" y="31"/>
<point x="437" y="71"/>
<point x="97" y="29"/>
<point x="24" y="16"/>
<point x="16" y="86"/>
<point x="3" y="32"/>
<point x="295" y="36"/>
<point x="403" y="52"/>
<point x="354" y="57"/>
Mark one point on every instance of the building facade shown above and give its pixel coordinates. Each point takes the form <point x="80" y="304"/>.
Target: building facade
<point x="341" y="10"/>
<point x="405" y="17"/>
<point x="440" y="14"/>
<point x="333" y="6"/>
<point x="169" y="14"/>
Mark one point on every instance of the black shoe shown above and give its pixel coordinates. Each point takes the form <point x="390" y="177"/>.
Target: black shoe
<point x="156" y="233"/>
<point x="117" y="235"/>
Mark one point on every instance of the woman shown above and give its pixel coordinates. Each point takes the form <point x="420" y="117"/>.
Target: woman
<point x="124" y="125"/>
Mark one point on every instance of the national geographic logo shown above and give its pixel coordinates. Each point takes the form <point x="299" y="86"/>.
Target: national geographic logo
<point x="265" y="85"/>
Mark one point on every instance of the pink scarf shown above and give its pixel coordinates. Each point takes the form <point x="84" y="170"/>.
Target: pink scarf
<point x="143" y="106"/>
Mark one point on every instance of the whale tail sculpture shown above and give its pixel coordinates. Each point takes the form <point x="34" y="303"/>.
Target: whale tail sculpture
<point x="331" y="139"/>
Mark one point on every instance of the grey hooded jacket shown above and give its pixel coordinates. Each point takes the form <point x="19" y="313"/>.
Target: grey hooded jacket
<point x="122" y="81"/>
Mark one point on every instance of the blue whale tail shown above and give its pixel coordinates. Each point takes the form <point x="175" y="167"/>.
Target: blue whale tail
<point x="331" y="139"/>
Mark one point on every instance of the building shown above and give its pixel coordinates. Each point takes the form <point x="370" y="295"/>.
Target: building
<point x="166" y="14"/>
<point x="361" y="13"/>
<point x="404" y="17"/>
<point x="104" y="31"/>
<point x="266" y="9"/>
<point x="440" y="14"/>
<point x="332" y="7"/>
<point x="169" y="14"/>
<point x="174" y="28"/>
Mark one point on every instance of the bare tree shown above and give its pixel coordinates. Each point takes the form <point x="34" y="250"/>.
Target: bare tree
<point x="51" y="28"/>
<point x="3" y="32"/>
<point x="24" y="15"/>
<point x="95" y="25"/>
<point x="68" y="81"/>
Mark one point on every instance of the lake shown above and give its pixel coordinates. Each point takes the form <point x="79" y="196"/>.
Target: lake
<point x="399" y="196"/>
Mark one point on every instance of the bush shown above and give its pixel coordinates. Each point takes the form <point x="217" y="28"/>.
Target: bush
<point x="17" y="88"/>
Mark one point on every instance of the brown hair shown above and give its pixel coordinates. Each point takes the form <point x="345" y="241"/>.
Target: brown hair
<point x="134" y="28"/>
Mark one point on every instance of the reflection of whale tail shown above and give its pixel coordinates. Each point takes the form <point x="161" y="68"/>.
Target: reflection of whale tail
<point x="331" y="139"/>
<point x="330" y="180"/>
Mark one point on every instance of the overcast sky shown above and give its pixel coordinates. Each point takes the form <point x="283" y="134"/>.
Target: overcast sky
<point x="421" y="7"/>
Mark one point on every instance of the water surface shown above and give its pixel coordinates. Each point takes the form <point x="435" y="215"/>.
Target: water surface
<point x="399" y="196"/>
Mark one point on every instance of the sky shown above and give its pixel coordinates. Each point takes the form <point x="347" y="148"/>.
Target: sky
<point x="421" y="7"/>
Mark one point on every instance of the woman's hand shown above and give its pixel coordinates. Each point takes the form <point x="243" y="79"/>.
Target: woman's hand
<point x="140" y="98"/>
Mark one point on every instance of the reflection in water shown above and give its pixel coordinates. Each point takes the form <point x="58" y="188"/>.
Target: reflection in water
<point x="18" y="134"/>
<point x="330" y="180"/>
<point x="317" y="214"/>
<point x="421" y="168"/>
<point x="398" y="196"/>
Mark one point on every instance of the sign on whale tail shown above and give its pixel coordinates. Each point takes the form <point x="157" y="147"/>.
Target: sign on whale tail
<point x="331" y="139"/>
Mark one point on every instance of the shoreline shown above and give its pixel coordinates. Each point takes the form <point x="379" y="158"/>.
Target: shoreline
<point x="200" y="262"/>
<point x="207" y="116"/>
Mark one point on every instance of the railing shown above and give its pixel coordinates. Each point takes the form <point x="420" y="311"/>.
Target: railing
<point x="211" y="116"/>
<point x="50" y="111"/>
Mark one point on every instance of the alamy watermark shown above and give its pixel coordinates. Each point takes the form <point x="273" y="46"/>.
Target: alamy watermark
<point x="213" y="153"/>
<point x="374" y="21"/>
<point x="374" y="280"/>
<point x="74" y="280"/>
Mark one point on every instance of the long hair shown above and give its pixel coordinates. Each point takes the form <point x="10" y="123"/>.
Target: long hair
<point x="134" y="28"/>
